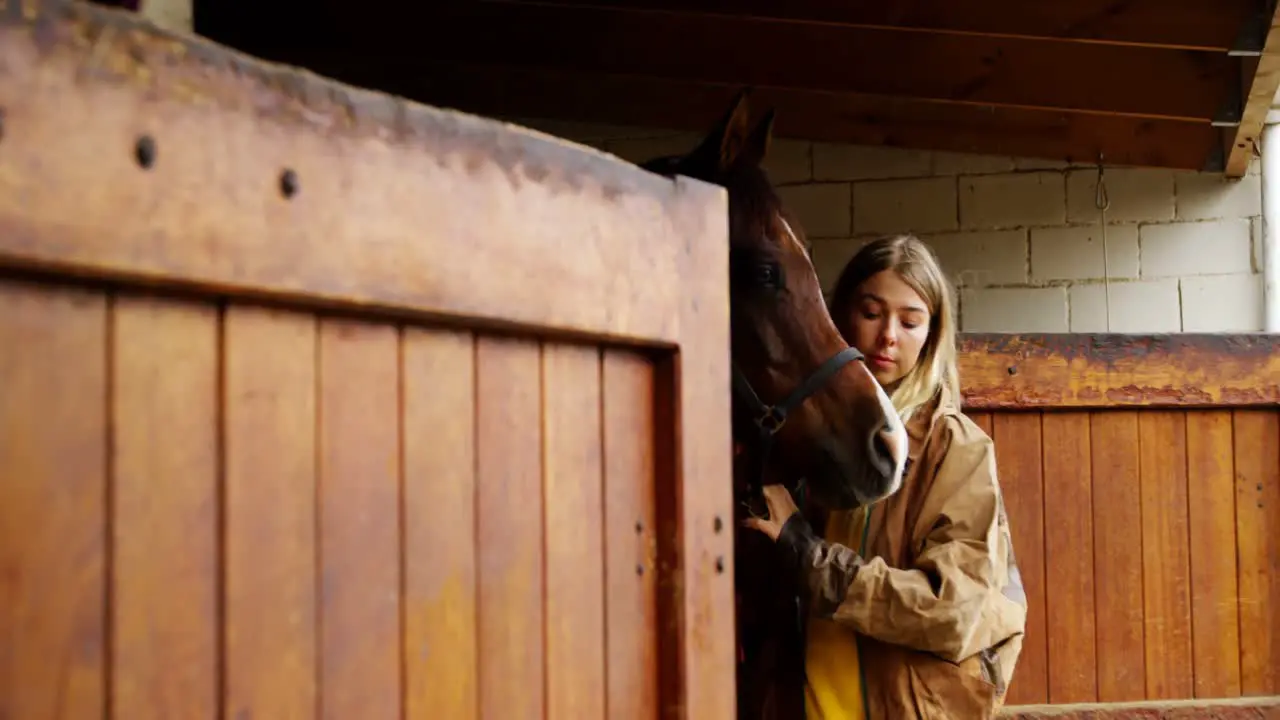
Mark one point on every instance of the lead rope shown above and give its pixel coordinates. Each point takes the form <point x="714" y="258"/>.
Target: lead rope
<point x="1102" y="202"/>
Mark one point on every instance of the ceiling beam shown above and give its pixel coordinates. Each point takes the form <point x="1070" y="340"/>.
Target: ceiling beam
<point x="859" y="119"/>
<point x="1262" y="80"/>
<point x="1189" y="24"/>
<point x="958" y="69"/>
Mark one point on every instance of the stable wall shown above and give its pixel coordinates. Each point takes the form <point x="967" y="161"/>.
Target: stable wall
<point x="1020" y="237"/>
<point x="1141" y="475"/>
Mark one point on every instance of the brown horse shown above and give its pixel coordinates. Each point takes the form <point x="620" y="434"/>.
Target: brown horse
<point x="830" y="433"/>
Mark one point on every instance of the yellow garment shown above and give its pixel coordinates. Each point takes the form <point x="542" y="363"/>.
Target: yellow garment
<point x="833" y="684"/>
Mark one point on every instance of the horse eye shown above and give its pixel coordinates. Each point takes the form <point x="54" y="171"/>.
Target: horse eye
<point x="769" y="274"/>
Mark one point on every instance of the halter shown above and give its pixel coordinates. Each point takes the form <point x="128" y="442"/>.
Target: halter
<point x="769" y="419"/>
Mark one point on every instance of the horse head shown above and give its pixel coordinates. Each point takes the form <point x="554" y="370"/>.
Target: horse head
<point x="805" y="406"/>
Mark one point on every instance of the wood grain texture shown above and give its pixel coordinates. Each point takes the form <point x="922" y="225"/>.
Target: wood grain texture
<point x="440" y="550"/>
<point x="1257" y="463"/>
<point x="270" y="489"/>
<point x="1111" y="371"/>
<point x="360" y="527"/>
<point x="519" y="91"/>
<point x="1162" y="441"/>
<point x="1070" y="616"/>
<point x="1259" y="82"/>
<point x="1163" y="586"/>
<point x="700" y="396"/>
<point x="54" y="510"/>
<point x="509" y="516"/>
<point x="1180" y="23"/>
<point x="1019" y="448"/>
<point x="834" y="58"/>
<point x="1117" y="555"/>
<point x="1211" y="519"/>
<point x="573" y="531"/>
<point x="165" y="525"/>
<point x="631" y="536"/>
<point x="423" y="211"/>
<point x="391" y="213"/>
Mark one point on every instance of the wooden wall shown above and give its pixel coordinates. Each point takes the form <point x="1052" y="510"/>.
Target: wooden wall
<point x="1142" y="480"/>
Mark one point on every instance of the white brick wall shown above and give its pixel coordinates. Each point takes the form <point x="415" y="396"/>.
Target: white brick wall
<point x="1020" y="237"/>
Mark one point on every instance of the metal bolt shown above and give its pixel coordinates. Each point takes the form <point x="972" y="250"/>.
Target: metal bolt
<point x="144" y="151"/>
<point x="288" y="183"/>
<point x="1013" y="370"/>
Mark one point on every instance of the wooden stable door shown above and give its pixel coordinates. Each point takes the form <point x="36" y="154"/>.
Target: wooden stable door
<point x="1141" y="475"/>
<point x="350" y="409"/>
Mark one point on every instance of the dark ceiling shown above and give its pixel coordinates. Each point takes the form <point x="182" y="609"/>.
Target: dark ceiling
<point x="1168" y="83"/>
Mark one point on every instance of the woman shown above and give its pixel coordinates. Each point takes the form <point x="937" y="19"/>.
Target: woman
<point x="915" y="607"/>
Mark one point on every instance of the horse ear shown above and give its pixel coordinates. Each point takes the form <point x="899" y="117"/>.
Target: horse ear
<point x="720" y="148"/>
<point x="756" y="146"/>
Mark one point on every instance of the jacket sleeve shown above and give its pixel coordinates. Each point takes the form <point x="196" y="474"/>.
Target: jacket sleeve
<point x="960" y="595"/>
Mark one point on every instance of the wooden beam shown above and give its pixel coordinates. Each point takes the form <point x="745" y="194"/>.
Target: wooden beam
<point x="685" y="105"/>
<point x="1261" y="81"/>
<point x="177" y="163"/>
<point x="1006" y="372"/>
<point x="1187" y="24"/>
<point x="946" y="68"/>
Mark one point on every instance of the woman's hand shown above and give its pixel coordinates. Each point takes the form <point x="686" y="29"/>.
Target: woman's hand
<point x="781" y="508"/>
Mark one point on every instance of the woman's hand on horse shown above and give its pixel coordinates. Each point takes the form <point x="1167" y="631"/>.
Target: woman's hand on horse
<point x="781" y="508"/>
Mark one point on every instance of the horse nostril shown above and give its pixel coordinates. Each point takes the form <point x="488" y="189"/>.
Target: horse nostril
<point x="882" y="457"/>
<point x="888" y="453"/>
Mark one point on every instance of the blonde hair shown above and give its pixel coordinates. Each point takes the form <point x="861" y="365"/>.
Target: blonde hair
<point x="916" y="264"/>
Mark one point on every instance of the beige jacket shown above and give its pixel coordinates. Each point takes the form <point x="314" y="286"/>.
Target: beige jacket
<point x="937" y="602"/>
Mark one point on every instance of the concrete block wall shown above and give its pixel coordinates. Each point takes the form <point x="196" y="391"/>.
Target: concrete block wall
<point x="1021" y="238"/>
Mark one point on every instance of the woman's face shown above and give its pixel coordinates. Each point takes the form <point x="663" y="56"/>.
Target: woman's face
<point x="890" y="325"/>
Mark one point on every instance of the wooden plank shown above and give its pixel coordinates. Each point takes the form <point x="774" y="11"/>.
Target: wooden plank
<point x="1117" y="555"/>
<point x="410" y="200"/>
<point x="1211" y="505"/>
<point x="269" y="397"/>
<point x="1171" y="23"/>
<point x="943" y="67"/>
<point x="1069" y="552"/>
<point x="440" y="653"/>
<point x="1260" y="81"/>
<point x="573" y="527"/>
<point x="510" y="528"/>
<point x="360" y="537"/>
<point x="1257" y="466"/>
<point x="1162" y="439"/>
<point x="1108" y="371"/>
<point x="698" y="483"/>
<point x="684" y="104"/>
<point x="53" y="502"/>
<point x="165" y="530"/>
<point x="1018" y="443"/>
<point x="631" y="603"/>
